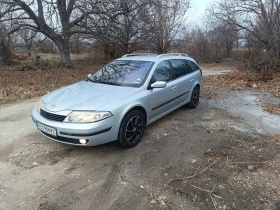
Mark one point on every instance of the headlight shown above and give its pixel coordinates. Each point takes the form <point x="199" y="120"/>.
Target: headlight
<point x="38" y="105"/>
<point x="86" y="117"/>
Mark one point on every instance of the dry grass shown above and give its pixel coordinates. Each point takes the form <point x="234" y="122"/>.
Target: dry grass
<point x="54" y="59"/>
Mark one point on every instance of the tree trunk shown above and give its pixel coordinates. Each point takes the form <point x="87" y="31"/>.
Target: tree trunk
<point x="64" y="49"/>
<point x="112" y="52"/>
<point x="5" y="53"/>
<point x="106" y="51"/>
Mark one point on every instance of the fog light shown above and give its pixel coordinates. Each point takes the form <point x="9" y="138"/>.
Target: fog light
<point x="83" y="141"/>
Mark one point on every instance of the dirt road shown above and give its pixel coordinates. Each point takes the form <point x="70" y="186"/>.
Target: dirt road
<point x="217" y="156"/>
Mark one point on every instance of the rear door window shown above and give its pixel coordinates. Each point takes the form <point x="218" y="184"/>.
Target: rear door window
<point x="180" y="67"/>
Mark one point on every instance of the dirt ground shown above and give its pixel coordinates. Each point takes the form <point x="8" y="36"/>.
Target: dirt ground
<point x="222" y="155"/>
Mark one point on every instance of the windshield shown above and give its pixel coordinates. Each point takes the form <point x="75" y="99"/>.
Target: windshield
<point x="129" y="73"/>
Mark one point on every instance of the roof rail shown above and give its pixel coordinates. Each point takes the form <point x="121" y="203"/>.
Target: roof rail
<point x="168" y="54"/>
<point x="137" y="54"/>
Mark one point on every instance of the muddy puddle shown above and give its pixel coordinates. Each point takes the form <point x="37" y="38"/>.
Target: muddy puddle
<point x="248" y="106"/>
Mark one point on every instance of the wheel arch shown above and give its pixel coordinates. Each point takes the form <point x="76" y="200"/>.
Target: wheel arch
<point x="198" y="85"/>
<point x="138" y="108"/>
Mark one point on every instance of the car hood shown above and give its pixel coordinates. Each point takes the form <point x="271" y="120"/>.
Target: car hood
<point x="84" y="96"/>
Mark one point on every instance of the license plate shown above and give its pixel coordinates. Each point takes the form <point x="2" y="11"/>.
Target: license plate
<point x="46" y="129"/>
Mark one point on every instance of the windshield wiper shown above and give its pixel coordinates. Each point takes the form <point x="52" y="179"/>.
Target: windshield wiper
<point x="109" y="83"/>
<point x="89" y="79"/>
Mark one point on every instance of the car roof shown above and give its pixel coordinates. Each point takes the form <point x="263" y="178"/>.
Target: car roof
<point x="155" y="57"/>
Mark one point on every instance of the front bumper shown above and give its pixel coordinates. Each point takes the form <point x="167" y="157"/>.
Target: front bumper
<point x="95" y="133"/>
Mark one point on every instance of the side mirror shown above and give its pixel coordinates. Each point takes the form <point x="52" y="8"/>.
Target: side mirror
<point x="159" y="84"/>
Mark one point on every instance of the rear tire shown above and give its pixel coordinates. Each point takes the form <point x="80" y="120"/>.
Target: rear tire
<point x="194" y="98"/>
<point x="131" y="129"/>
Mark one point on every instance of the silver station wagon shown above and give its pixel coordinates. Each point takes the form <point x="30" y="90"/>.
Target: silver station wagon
<point x="120" y="100"/>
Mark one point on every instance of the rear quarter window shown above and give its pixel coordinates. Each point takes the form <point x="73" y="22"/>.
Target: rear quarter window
<point x="193" y="66"/>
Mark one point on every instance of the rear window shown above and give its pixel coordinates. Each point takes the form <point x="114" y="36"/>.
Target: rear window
<point x="123" y="72"/>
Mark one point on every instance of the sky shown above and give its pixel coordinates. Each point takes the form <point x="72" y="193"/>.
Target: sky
<point x="195" y="14"/>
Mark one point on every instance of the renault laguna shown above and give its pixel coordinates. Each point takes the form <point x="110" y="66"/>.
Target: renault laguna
<point x="119" y="100"/>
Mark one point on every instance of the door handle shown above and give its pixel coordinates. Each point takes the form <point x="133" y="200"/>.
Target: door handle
<point x="173" y="88"/>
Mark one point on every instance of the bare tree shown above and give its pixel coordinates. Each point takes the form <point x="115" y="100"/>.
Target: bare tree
<point x="27" y="37"/>
<point x="125" y="31"/>
<point x="131" y="28"/>
<point x="166" y="20"/>
<point x="223" y="37"/>
<point x="198" y="44"/>
<point x="58" y="20"/>
<point x="259" y="18"/>
<point x="38" y="16"/>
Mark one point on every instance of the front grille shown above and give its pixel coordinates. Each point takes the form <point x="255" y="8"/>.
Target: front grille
<point x="53" y="117"/>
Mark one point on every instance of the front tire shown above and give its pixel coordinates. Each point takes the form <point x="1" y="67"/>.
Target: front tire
<point x="131" y="129"/>
<point x="194" y="98"/>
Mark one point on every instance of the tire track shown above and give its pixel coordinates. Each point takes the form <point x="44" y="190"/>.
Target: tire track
<point x="107" y="189"/>
<point x="133" y="202"/>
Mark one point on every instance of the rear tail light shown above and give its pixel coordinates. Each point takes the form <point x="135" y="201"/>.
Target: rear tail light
<point x="200" y="71"/>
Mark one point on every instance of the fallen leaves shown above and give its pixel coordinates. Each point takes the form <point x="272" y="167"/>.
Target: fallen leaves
<point x="241" y="79"/>
<point x="20" y="82"/>
<point x="275" y="138"/>
<point x="210" y="93"/>
<point x="252" y="168"/>
<point x="213" y="153"/>
<point x="162" y="200"/>
<point x="272" y="108"/>
<point x="153" y="201"/>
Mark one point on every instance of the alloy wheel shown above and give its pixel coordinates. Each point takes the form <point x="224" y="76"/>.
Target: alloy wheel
<point x="134" y="129"/>
<point x="195" y="98"/>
